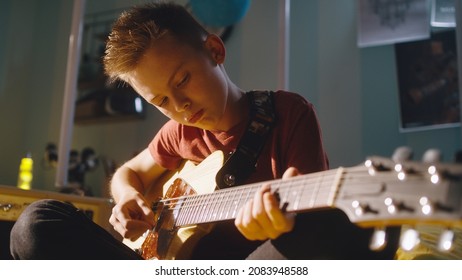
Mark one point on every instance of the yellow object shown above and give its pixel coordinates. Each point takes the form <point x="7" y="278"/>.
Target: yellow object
<point x="25" y="173"/>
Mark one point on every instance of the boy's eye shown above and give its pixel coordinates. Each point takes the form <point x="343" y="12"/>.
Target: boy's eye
<point x="163" y="101"/>
<point x="183" y="81"/>
<point x="159" y="101"/>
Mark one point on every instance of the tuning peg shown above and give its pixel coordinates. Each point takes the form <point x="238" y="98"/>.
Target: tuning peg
<point x="378" y="239"/>
<point x="402" y="153"/>
<point x="432" y="156"/>
<point x="409" y="239"/>
<point x="446" y="240"/>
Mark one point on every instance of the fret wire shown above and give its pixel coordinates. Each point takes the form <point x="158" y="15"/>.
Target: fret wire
<point x="295" y="179"/>
<point x="230" y="204"/>
<point x="213" y="206"/>
<point x="236" y="203"/>
<point x="222" y="205"/>
<point x="181" y="213"/>
<point x="283" y="190"/>
<point x="209" y="206"/>
<point x="305" y="178"/>
<point x="307" y="181"/>
<point x="189" y="213"/>
<point x="198" y="207"/>
<point x="314" y="192"/>
<point x="196" y="204"/>
<point x="184" y="212"/>
<point x="183" y="209"/>
<point x="203" y="208"/>
<point x="179" y="218"/>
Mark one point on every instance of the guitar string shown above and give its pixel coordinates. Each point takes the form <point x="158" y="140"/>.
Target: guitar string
<point x="305" y="184"/>
<point x="197" y="219"/>
<point x="214" y="207"/>
<point x="212" y="210"/>
<point x="303" y="178"/>
<point x="220" y="201"/>
<point x="190" y="203"/>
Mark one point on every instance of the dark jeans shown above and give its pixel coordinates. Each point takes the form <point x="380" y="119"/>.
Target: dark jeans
<point x="50" y="229"/>
<point x="54" y="230"/>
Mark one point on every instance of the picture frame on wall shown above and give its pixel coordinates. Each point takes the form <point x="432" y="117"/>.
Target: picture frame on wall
<point x="428" y="82"/>
<point x="389" y="22"/>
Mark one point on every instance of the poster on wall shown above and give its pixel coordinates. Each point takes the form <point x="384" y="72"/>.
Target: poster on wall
<point x="428" y="82"/>
<point x="443" y="13"/>
<point x="388" y="22"/>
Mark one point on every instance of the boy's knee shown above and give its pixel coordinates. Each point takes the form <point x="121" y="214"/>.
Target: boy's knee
<point x="36" y="223"/>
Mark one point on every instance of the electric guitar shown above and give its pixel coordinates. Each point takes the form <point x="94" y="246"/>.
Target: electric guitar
<point x="378" y="193"/>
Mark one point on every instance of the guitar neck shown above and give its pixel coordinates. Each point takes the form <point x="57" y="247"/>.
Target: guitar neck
<point x="296" y="194"/>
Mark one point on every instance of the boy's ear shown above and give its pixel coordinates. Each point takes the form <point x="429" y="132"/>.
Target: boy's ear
<point x="216" y="48"/>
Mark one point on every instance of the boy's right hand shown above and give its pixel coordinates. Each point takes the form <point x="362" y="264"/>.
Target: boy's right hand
<point x="132" y="216"/>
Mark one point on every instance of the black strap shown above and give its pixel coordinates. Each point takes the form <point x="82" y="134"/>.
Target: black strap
<point x="242" y="162"/>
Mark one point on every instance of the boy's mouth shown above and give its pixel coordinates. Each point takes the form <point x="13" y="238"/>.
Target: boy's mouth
<point x="196" y="117"/>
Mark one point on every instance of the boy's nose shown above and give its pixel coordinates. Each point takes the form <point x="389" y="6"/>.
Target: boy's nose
<point x="182" y="105"/>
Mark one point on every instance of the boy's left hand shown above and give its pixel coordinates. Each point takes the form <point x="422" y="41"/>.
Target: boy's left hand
<point x="261" y="218"/>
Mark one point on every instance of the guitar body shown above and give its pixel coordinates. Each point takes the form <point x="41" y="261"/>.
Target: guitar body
<point x="167" y="241"/>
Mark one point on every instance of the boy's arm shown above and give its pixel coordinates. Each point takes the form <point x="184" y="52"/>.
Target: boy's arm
<point x="132" y="215"/>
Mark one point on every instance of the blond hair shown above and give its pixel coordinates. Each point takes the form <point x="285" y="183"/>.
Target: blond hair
<point x="137" y="29"/>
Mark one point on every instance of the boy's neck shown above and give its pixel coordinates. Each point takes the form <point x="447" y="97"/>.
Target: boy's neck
<point x="238" y="109"/>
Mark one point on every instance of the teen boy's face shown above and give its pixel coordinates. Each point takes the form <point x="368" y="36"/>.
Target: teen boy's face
<point x="185" y="84"/>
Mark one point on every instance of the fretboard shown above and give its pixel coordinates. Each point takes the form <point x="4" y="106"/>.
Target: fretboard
<point x="296" y="194"/>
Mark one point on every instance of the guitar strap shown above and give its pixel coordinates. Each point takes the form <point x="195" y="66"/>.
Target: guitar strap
<point x="242" y="162"/>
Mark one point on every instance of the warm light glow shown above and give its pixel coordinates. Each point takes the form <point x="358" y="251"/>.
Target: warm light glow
<point x="435" y="179"/>
<point x="446" y="246"/>
<point x="388" y="201"/>
<point x="446" y="240"/>
<point x="423" y="200"/>
<point x="427" y="209"/>
<point x="409" y="239"/>
<point x="378" y="240"/>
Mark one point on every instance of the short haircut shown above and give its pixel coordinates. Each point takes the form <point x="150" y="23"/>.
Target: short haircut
<point x="137" y="29"/>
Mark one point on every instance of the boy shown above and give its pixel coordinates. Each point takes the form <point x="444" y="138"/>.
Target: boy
<point x="177" y="66"/>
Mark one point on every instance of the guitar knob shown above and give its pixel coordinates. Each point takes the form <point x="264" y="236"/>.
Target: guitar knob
<point x="361" y="209"/>
<point x="446" y="240"/>
<point x="391" y="207"/>
<point x="229" y="180"/>
<point x="402" y="154"/>
<point x="357" y="207"/>
<point x="378" y="239"/>
<point x="427" y="207"/>
<point x="432" y="156"/>
<point x="409" y="239"/>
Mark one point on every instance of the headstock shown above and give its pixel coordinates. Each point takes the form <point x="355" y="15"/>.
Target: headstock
<point x="398" y="191"/>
